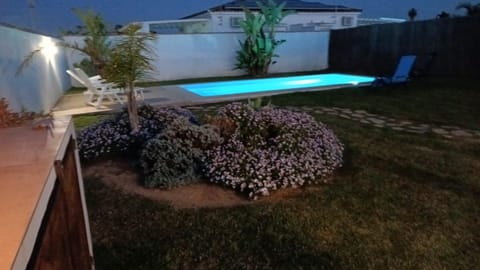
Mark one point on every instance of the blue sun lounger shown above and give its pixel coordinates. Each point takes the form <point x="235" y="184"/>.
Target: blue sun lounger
<point x="401" y="74"/>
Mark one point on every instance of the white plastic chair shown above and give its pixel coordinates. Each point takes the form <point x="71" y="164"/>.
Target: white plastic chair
<point x="96" y="91"/>
<point x="98" y="81"/>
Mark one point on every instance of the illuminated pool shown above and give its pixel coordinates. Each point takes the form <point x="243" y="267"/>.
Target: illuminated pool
<point x="275" y="84"/>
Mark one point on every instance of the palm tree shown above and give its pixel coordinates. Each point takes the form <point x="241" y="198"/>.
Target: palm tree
<point x="412" y="13"/>
<point x="258" y="49"/>
<point x="130" y="60"/>
<point x="472" y="9"/>
<point x="96" y="45"/>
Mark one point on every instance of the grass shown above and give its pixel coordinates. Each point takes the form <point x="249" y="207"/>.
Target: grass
<point x="442" y="101"/>
<point x="401" y="201"/>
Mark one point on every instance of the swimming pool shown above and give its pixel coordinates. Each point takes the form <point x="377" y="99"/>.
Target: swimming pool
<point x="275" y="84"/>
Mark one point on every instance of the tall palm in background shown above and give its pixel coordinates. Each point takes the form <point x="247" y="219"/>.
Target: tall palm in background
<point x="412" y="13"/>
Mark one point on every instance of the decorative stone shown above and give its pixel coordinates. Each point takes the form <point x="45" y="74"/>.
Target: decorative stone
<point x="363" y="121"/>
<point x="357" y="115"/>
<point x="398" y="128"/>
<point x="326" y="109"/>
<point x="461" y="133"/>
<point x="360" y="111"/>
<point x="405" y="123"/>
<point x="450" y="127"/>
<point x="319" y="112"/>
<point x="439" y="131"/>
<point x="378" y="125"/>
<point x="423" y="128"/>
<point x="345" y="116"/>
<point x="416" y="131"/>
<point x="346" y="110"/>
<point x="376" y="120"/>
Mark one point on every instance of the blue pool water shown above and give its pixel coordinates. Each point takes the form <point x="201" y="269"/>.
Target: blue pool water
<point x="275" y="84"/>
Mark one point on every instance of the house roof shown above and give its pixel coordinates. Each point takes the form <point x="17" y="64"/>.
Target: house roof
<point x="296" y="5"/>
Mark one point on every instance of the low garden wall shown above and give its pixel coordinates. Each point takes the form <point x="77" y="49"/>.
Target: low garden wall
<point x="182" y="56"/>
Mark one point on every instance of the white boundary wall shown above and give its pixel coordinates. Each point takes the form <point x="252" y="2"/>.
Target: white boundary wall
<point x="40" y="84"/>
<point x="183" y="56"/>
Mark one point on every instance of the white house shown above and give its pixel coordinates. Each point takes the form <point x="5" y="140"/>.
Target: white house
<point x="307" y="16"/>
<point x="381" y="20"/>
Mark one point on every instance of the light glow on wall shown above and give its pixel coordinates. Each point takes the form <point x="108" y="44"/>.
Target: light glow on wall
<point x="48" y="48"/>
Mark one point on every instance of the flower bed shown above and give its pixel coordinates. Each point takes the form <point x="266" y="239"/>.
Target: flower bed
<point x="253" y="151"/>
<point x="271" y="149"/>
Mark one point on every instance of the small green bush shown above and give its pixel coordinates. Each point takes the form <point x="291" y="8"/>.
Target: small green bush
<point x="174" y="157"/>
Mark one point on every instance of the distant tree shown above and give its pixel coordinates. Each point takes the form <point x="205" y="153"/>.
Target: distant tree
<point x="471" y="9"/>
<point x="443" y="15"/>
<point x="412" y="13"/>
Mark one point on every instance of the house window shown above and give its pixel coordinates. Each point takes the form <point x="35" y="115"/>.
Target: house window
<point x="235" y="21"/>
<point x="347" y="21"/>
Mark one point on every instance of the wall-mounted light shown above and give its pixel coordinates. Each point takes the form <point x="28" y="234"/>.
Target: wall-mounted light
<point x="48" y="47"/>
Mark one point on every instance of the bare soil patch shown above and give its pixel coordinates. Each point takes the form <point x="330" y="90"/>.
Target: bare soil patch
<point x="120" y="174"/>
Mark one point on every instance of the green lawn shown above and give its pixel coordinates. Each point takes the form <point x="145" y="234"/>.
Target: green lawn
<point x="401" y="201"/>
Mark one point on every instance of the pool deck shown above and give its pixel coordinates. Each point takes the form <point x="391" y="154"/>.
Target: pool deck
<point x="162" y="96"/>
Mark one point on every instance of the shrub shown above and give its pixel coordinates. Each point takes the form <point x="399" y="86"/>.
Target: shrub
<point x="114" y="136"/>
<point x="173" y="158"/>
<point x="271" y="149"/>
<point x="103" y="138"/>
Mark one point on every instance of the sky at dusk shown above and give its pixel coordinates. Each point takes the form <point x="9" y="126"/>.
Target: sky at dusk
<point x="51" y="16"/>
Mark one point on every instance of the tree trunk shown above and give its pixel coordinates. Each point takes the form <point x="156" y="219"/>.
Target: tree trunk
<point x="132" y="108"/>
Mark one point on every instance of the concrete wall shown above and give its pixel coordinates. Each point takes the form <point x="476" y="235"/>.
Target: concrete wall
<point x="40" y="84"/>
<point x="443" y="46"/>
<point x="184" y="56"/>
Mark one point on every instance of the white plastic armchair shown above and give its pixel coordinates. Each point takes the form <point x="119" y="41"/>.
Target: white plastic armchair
<point x="98" y="81"/>
<point x="96" y="93"/>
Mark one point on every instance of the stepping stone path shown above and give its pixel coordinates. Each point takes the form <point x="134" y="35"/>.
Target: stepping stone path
<point x="379" y="121"/>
